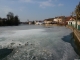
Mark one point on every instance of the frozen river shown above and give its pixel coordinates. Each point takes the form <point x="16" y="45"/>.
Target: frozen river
<point x="32" y="42"/>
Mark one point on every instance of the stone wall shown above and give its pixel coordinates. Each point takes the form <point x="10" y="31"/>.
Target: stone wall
<point x="76" y="36"/>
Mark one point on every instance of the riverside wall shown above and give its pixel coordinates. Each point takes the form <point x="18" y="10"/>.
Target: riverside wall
<point x="76" y="36"/>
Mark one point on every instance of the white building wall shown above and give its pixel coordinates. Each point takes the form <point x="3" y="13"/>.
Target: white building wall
<point x="56" y="20"/>
<point x="78" y="22"/>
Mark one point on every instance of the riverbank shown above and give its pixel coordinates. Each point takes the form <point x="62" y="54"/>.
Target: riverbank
<point x="76" y="36"/>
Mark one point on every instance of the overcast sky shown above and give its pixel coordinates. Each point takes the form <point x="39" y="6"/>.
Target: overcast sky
<point x="37" y="9"/>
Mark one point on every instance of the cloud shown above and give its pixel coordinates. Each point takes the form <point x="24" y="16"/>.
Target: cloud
<point x="5" y="9"/>
<point x="28" y="1"/>
<point x="47" y="3"/>
<point x="21" y="9"/>
<point x="41" y="3"/>
<point x="60" y="4"/>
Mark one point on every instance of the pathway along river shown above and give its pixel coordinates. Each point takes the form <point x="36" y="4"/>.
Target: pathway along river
<point x="32" y="42"/>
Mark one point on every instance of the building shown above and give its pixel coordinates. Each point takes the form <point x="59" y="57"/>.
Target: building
<point x="56" y="19"/>
<point x="49" y="21"/>
<point x="72" y="22"/>
<point x="38" y="22"/>
<point x="59" y="19"/>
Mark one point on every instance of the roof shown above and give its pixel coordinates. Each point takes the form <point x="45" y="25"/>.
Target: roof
<point x="70" y="17"/>
<point x="50" y="19"/>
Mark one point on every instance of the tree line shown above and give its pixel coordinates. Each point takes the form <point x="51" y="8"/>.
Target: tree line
<point x="11" y="20"/>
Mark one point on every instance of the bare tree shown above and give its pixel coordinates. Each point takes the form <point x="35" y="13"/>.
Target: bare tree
<point x="77" y="11"/>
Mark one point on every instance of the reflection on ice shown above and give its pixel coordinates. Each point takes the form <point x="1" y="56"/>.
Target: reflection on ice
<point x="4" y="52"/>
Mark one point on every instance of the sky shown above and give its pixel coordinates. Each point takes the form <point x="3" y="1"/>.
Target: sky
<point x="37" y="9"/>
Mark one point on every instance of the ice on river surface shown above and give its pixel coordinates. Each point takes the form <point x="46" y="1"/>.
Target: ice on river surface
<point x="38" y="44"/>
